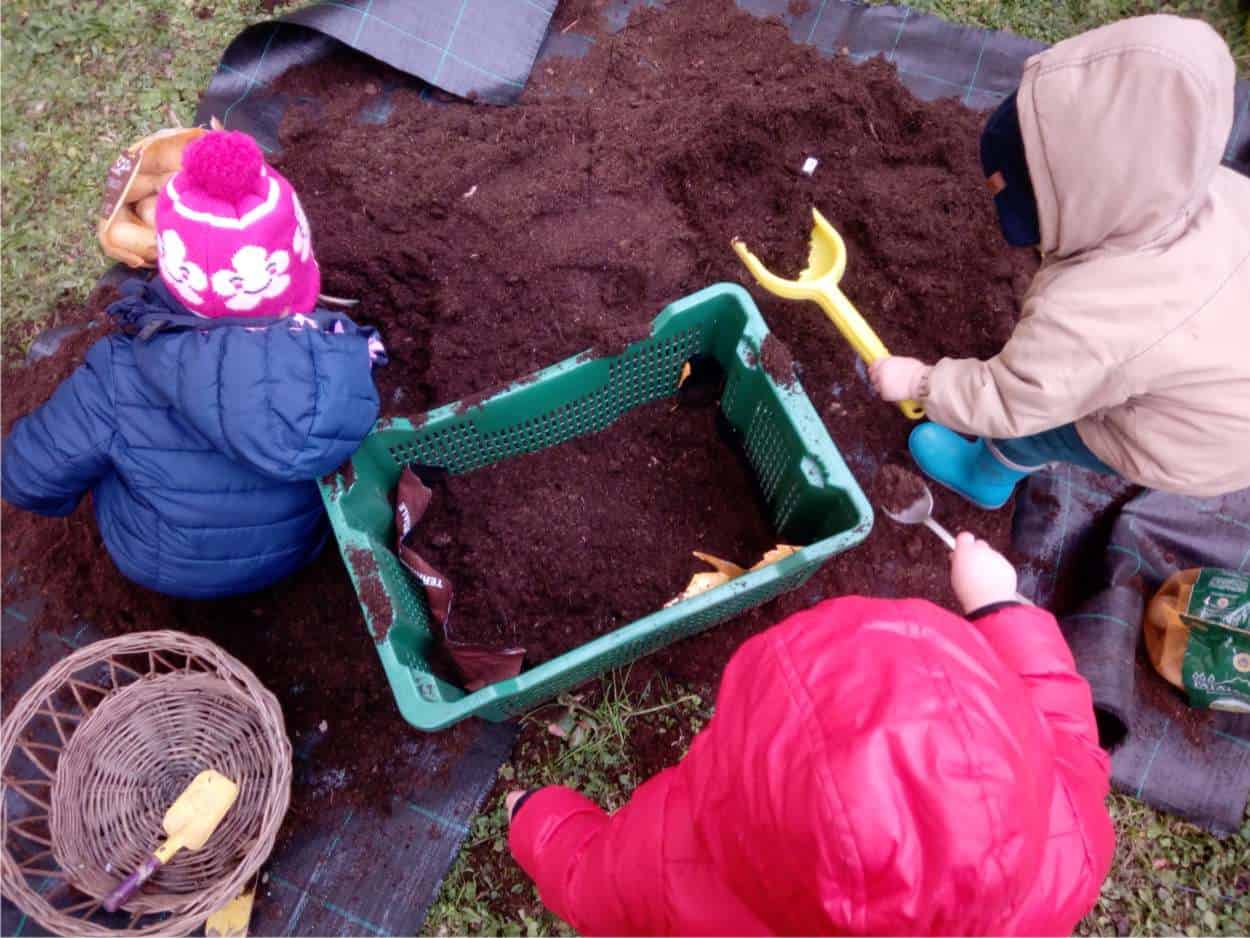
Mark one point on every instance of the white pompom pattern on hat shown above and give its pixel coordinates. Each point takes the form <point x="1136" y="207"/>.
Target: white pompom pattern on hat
<point x="186" y="277"/>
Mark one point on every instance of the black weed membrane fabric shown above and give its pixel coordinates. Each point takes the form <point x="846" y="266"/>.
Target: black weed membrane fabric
<point x="478" y="49"/>
<point x="1096" y="549"/>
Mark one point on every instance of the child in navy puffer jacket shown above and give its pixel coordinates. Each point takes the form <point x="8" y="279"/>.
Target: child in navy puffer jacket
<point x="202" y="425"/>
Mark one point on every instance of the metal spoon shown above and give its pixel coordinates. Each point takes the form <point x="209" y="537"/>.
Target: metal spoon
<point x="921" y="512"/>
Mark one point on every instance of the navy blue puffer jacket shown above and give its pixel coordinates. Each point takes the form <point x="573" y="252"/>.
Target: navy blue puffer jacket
<point x="201" y="440"/>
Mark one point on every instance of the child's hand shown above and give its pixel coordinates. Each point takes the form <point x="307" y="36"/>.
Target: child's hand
<point x="511" y="800"/>
<point x="898" y="379"/>
<point x="980" y="575"/>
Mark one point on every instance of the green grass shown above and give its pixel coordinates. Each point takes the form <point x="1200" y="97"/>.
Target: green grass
<point x="1170" y="877"/>
<point x="595" y="758"/>
<point x="83" y="79"/>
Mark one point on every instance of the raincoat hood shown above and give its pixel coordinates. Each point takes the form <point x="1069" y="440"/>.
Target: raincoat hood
<point x="1124" y="128"/>
<point x="873" y="767"/>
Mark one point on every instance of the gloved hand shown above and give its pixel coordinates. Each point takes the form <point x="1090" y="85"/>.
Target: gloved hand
<point x="980" y="575"/>
<point x="898" y="379"/>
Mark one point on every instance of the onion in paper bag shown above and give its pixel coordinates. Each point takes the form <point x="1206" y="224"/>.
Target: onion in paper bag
<point x="127" y="217"/>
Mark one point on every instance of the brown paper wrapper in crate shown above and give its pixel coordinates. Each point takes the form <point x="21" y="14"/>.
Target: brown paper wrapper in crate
<point x="476" y="664"/>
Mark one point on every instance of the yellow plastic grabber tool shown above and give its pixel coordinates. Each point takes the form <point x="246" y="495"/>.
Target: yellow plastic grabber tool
<point x="819" y="283"/>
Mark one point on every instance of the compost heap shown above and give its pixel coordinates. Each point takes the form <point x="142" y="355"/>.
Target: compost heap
<point x="487" y="242"/>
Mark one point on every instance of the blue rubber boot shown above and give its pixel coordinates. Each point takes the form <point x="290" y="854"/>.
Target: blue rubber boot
<point x="969" y="468"/>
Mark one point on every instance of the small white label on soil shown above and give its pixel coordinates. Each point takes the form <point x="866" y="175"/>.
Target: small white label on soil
<point x="323" y="726"/>
<point x="809" y="165"/>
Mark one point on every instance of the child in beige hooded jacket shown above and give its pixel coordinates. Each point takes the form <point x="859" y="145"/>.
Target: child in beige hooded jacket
<point x="1132" y="353"/>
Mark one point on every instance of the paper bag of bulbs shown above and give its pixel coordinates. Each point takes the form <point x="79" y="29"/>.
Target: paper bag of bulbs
<point x="127" y="223"/>
<point x="1198" y="636"/>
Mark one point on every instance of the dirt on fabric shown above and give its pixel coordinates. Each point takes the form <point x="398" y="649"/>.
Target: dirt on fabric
<point x="1194" y="722"/>
<point x="552" y="549"/>
<point x="488" y="242"/>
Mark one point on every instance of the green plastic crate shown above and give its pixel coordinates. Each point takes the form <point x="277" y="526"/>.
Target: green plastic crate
<point x="812" y="498"/>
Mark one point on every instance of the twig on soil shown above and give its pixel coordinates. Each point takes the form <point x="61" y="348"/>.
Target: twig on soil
<point x="692" y="698"/>
<point x="571" y="25"/>
<point x="336" y="300"/>
<point x="56" y="546"/>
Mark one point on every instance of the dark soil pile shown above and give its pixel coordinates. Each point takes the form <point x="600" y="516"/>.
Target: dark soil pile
<point x="25" y="389"/>
<point x="553" y="549"/>
<point x="516" y="237"/>
<point x="487" y="242"/>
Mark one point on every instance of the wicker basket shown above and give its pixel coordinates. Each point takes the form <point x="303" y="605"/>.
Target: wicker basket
<point x="98" y="749"/>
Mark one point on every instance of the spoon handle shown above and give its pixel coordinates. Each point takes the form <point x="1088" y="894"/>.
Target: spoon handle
<point x="946" y="536"/>
<point x="949" y="541"/>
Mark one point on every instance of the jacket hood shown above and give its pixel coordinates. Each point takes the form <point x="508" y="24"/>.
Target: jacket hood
<point x="1123" y="128"/>
<point x="147" y="307"/>
<point x="291" y="397"/>
<point x="907" y="791"/>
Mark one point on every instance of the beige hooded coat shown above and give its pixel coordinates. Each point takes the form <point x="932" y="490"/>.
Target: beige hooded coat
<point x="1137" y="326"/>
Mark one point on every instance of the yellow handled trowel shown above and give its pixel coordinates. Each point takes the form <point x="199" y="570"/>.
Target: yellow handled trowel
<point x="234" y="918"/>
<point x="188" y="824"/>
<point x="819" y="282"/>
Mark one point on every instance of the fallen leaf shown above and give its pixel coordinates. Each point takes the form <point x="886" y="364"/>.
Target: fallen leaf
<point x="780" y="552"/>
<point x="727" y="567"/>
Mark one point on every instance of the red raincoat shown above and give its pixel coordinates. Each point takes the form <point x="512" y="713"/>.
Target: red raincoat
<point x="873" y="767"/>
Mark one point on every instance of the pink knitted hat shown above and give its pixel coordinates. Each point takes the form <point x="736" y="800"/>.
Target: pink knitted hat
<point x="231" y="236"/>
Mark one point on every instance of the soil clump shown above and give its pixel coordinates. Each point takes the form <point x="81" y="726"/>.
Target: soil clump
<point x="896" y="489"/>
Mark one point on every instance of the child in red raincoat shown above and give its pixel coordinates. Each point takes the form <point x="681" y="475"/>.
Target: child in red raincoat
<point x="874" y="766"/>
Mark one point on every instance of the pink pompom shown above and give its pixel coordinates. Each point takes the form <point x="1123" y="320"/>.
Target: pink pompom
<point x="223" y="163"/>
